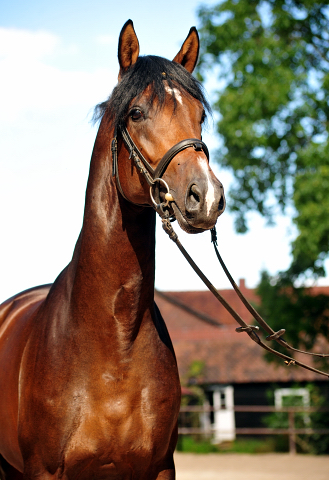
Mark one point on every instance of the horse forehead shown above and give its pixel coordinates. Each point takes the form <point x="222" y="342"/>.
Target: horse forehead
<point x="174" y="91"/>
<point x="190" y="105"/>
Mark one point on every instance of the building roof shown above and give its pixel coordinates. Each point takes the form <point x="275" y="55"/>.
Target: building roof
<point x="229" y="357"/>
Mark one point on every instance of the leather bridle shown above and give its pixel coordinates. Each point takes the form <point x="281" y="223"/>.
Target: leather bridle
<point x="154" y="178"/>
<point x="151" y="175"/>
<point x="251" y="330"/>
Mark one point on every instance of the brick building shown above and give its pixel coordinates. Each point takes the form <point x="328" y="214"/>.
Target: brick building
<point x="235" y="371"/>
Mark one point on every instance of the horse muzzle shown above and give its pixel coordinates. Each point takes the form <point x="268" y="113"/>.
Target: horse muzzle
<point x="203" y="203"/>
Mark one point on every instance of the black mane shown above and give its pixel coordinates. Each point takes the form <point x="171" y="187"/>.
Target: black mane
<point x="148" y="70"/>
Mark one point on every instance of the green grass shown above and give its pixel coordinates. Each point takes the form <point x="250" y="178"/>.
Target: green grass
<point x="249" y="445"/>
<point x="188" y="444"/>
<point x="244" y="445"/>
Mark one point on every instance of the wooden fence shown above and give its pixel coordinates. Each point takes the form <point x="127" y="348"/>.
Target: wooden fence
<point x="291" y="431"/>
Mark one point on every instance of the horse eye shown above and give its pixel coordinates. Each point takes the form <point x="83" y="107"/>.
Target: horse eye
<point x="203" y="117"/>
<point x="136" y="114"/>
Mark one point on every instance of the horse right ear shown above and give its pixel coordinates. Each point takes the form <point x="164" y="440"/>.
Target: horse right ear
<point x="188" y="54"/>
<point x="128" y="49"/>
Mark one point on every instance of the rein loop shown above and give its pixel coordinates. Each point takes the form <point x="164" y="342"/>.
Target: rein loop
<point x="249" y="329"/>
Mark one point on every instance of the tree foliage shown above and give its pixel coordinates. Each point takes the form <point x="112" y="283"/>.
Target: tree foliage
<point x="315" y="443"/>
<point x="304" y="315"/>
<point x="271" y="59"/>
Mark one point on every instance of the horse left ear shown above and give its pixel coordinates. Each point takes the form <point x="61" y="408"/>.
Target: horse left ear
<point x="188" y="54"/>
<point x="128" y="50"/>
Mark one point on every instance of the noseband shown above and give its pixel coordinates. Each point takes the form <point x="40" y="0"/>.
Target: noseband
<point x="151" y="175"/>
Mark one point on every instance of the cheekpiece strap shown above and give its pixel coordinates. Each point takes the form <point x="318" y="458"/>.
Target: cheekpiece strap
<point x="150" y="174"/>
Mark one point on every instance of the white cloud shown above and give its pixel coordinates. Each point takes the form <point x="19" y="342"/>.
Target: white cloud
<point x="29" y="82"/>
<point x="24" y="45"/>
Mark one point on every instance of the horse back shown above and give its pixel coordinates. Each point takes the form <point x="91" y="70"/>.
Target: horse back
<point x="16" y="323"/>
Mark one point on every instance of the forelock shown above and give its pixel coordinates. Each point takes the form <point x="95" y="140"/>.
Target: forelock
<point x="156" y="72"/>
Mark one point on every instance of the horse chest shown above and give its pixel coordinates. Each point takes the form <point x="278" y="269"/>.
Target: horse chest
<point x="111" y="408"/>
<point x="121" y="433"/>
<point x="130" y="407"/>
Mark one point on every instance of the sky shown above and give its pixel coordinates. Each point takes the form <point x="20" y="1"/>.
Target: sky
<point x="57" y="61"/>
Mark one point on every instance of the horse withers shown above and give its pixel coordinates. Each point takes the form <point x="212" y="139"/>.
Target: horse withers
<point x="89" y="385"/>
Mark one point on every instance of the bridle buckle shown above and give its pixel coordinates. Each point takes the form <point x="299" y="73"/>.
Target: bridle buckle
<point x="197" y="147"/>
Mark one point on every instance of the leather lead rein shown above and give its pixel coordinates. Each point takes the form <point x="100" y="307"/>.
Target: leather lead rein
<point x="249" y="329"/>
<point x="152" y="177"/>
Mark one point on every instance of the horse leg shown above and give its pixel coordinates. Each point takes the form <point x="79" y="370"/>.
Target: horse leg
<point x="168" y="474"/>
<point x="8" y="472"/>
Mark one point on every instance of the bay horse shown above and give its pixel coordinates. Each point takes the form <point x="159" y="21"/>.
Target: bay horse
<point x="89" y="386"/>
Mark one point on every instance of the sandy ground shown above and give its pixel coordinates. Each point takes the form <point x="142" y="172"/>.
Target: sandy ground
<point x="251" y="467"/>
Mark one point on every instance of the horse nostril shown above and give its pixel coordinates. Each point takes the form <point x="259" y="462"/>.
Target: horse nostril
<point x="195" y="193"/>
<point x="222" y="202"/>
<point x="193" y="199"/>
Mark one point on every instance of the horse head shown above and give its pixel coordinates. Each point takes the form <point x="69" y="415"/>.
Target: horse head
<point x="157" y="111"/>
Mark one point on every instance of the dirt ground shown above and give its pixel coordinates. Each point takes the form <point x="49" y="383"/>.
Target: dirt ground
<point x="251" y="467"/>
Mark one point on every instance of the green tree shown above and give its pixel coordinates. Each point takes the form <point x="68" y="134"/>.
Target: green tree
<point x="271" y="59"/>
<point x="195" y="396"/>
<point x="315" y="443"/>
<point x="304" y="316"/>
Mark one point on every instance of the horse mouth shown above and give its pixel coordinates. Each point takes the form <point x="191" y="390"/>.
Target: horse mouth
<point x="183" y="221"/>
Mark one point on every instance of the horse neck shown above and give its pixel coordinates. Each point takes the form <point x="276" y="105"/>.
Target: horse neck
<point x="113" y="264"/>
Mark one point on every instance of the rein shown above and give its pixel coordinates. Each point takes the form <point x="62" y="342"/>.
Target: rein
<point x="154" y="178"/>
<point x="249" y="329"/>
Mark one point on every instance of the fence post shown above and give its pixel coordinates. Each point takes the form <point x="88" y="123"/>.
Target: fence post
<point x="292" y="435"/>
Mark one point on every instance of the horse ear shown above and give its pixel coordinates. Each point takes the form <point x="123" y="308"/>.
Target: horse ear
<point x="128" y="49"/>
<point x="188" y="54"/>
